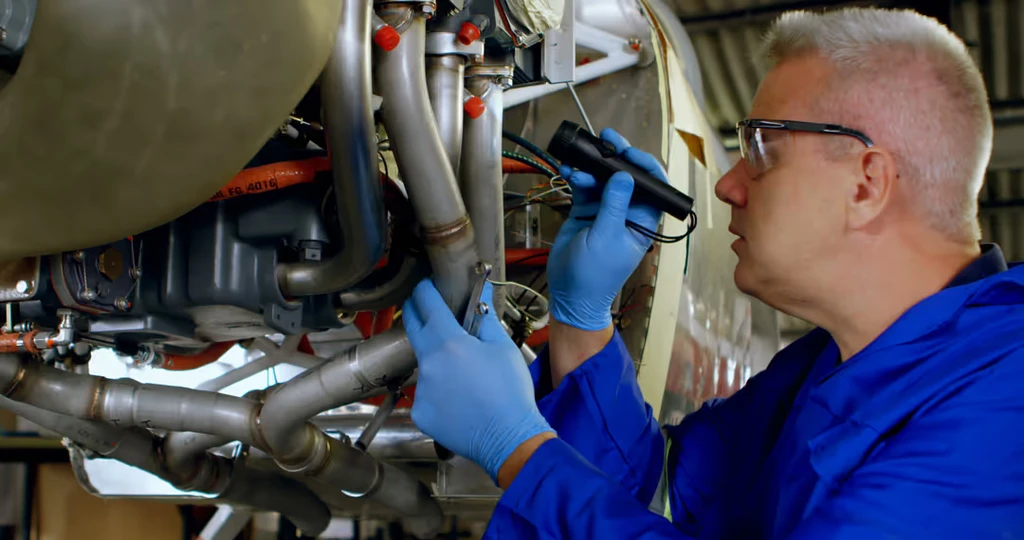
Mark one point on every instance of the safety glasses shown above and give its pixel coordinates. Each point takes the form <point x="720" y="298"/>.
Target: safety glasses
<point x="760" y="140"/>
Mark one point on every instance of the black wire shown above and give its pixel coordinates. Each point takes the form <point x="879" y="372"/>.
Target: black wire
<point x="527" y="160"/>
<point x="561" y="209"/>
<point x="534" y="299"/>
<point x="381" y="155"/>
<point x="533" y="148"/>
<point x="530" y="285"/>
<point x="653" y="235"/>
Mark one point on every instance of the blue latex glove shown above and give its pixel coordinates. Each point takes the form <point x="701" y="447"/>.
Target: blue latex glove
<point x="474" y="394"/>
<point x="592" y="259"/>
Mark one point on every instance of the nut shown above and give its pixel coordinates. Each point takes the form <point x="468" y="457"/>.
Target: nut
<point x="122" y="303"/>
<point x="23" y="286"/>
<point x="89" y="294"/>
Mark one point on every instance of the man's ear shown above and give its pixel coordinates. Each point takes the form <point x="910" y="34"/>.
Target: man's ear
<point x="874" y="188"/>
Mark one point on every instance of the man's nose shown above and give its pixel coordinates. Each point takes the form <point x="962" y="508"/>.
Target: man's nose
<point x="731" y="188"/>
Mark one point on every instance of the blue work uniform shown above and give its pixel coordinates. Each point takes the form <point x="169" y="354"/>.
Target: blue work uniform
<point x="920" y="435"/>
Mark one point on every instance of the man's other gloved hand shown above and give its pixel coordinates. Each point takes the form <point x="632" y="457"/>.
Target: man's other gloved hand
<point x="474" y="394"/>
<point x="592" y="259"/>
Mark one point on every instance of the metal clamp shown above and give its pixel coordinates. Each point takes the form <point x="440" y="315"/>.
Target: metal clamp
<point x="445" y="43"/>
<point x="476" y="309"/>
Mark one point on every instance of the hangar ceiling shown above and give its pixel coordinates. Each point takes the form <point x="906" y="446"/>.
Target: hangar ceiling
<point x="726" y="35"/>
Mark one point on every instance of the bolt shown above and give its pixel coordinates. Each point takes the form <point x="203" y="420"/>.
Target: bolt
<point x="22" y="286"/>
<point x="79" y="255"/>
<point x="482" y="308"/>
<point x="136" y="272"/>
<point x="122" y="304"/>
<point x="88" y="294"/>
<point x="24" y="327"/>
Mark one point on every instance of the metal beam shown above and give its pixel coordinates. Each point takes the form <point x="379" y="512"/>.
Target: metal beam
<point x="764" y="13"/>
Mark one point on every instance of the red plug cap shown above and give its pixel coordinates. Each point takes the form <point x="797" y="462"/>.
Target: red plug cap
<point x="468" y="33"/>
<point x="387" y="38"/>
<point x="474" y="107"/>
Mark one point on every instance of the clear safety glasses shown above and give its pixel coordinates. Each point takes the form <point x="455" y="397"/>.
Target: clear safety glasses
<point x="760" y="139"/>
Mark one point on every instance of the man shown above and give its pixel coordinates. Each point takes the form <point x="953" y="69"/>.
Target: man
<point x="855" y="206"/>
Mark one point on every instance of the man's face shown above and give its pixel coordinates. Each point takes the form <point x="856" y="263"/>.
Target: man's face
<point x="790" y="216"/>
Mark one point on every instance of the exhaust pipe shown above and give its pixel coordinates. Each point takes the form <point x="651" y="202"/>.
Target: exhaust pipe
<point x="480" y="176"/>
<point x="348" y="115"/>
<point x="126" y="403"/>
<point x="206" y="473"/>
<point x="423" y="161"/>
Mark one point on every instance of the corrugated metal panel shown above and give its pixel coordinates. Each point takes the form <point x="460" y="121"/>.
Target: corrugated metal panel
<point x="993" y="30"/>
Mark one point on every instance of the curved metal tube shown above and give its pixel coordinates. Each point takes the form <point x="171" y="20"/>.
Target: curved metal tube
<point x="445" y="87"/>
<point x="183" y="447"/>
<point x="311" y="452"/>
<point x="398" y="440"/>
<point x="127" y="403"/>
<point x="348" y="115"/>
<point x="290" y="497"/>
<point x="389" y="287"/>
<point x="206" y="473"/>
<point x="361" y="371"/>
<point x="481" y="178"/>
<point x="424" y="164"/>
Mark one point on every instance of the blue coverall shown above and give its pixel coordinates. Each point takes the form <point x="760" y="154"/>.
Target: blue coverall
<point x="920" y="435"/>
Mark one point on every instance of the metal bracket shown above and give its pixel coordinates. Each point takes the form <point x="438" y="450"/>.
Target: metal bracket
<point x="476" y="309"/>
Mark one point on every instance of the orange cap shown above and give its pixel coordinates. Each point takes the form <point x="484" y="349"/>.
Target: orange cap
<point x="468" y="33"/>
<point x="387" y="38"/>
<point x="474" y="107"/>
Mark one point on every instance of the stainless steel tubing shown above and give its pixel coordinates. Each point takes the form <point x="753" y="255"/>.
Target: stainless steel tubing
<point x="377" y="421"/>
<point x="445" y="86"/>
<point x="183" y="447"/>
<point x="361" y="371"/>
<point x="425" y="168"/>
<point x="389" y="288"/>
<point x="126" y="403"/>
<point x="481" y="178"/>
<point x="348" y="115"/>
<point x="207" y="473"/>
<point x="398" y="440"/>
<point x="272" y="491"/>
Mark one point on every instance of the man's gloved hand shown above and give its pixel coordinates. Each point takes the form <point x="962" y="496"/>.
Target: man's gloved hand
<point x="474" y="394"/>
<point x="592" y="258"/>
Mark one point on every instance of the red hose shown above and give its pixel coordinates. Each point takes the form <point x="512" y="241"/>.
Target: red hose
<point x="272" y="177"/>
<point x="509" y="165"/>
<point x="527" y="257"/>
<point x="181" y="362"/>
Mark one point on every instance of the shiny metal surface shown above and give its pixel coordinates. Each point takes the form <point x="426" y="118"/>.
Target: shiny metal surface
<point x="414" y="136"/>
<point x="348" y="115"/>
<point x="109" y="97"/>
<point x="425" y="167"/>
<point x="398" y="440"/>
<point x="480" y="176"/>
<point x="126" y="403"/>
<point x="445" y="43"/>
<point x="361" y="371"/>
<point x="15" y="272"/>
<point x="236" y="484"/>
<point x="446" y="88"/>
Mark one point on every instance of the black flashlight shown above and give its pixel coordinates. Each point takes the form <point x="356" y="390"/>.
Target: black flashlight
<point x="575" y="146"/>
